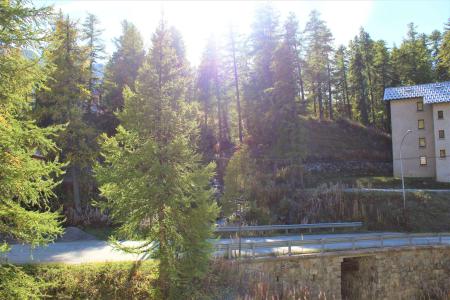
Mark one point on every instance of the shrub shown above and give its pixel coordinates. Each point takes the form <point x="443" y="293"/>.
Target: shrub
<point x="96" y="281"/>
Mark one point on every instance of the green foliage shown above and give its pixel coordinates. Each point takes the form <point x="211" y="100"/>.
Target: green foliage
<point x="16" y="284"/>
<point x="259" y="84"/>
<point x="412" y="60"/>
<point x="212" y="96"/>
<point x="152" y="179"/>
<point x="262" y="191"/>
<point x="286" y="131"/>
<point x="95" y="281"/>
<point x="443" y="64"/>
<point x="26" y="182"/>
<point x="27" y="174"/>
<point x="122" y="68"/>
<point x="358" y="82"/>
<point x="65" y="101"/>
<point x="95" y="50"/>
<point x="319" y="38"/>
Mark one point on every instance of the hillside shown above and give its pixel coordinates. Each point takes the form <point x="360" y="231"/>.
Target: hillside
<point x="344" y="140"/>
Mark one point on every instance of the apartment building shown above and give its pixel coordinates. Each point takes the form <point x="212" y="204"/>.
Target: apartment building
<point x="420" y="119"/>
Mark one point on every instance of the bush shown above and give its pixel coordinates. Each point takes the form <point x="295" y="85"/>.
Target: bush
<point x="96" y="281"/>
<point x="16" y="284"/>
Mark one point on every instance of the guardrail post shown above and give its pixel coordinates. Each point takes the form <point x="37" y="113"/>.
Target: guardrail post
<point x="353" y="243"/>
<point x="332" y="229"/>
<point x="289" y="248"/>
<point x="229" y="250"/>
<point x="253" y="250"/>
<point x="409" y="240"/>
<point x="381" y="241"/>
<point x="440" y="238"/>
<point x="322" y="243"/>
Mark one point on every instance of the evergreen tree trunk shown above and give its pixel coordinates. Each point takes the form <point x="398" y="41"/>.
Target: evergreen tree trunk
<point x="164" y="272"/>
<point x="362" y="104"/>
<point x="315" y="99"/>
<point x="76" y="189"/>
<point x="372" y="104"/>
<point x="219" y="115"/>
<point x="346" y="97"/>
<point x="300" y="78"/>
<point x="330" y="99"/>
<point x="320" y="100"/>
<point x="236" y="85"/>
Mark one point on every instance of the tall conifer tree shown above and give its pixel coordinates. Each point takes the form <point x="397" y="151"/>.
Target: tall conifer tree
<point x="27" y="172"/>
<point x="318" y="51"/>
<point x="122" y="68"/>
<point x="95" y="52"/>
<point x="65" y="102"/>
<point x="152" y="178"/>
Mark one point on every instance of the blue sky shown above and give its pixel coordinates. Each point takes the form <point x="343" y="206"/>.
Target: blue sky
<point x="198" y="20"/>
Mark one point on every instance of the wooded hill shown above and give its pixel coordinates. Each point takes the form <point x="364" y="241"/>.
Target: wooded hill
<point x="344" y="140"/>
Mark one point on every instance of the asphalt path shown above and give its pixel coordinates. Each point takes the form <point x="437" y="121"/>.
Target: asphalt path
<point x="101" y="251"/>
<point x="387" y="190"/>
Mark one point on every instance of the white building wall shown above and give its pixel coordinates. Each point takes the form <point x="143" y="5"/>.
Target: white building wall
<point x="442" y="164"/>
<point x="404" y="116"/>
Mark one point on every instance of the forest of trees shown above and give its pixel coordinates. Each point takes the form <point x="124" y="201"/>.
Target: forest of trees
<point x="139" y="138"/>
<point x="248" y="90"/>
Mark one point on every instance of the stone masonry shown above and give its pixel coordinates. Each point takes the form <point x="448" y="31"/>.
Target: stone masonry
<point x="393" y="273"/>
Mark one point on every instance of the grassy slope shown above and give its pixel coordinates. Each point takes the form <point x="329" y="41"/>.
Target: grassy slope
<point x="343" y="140"/>
<point x="385" y="182"/>
<point x="425" y="212"/>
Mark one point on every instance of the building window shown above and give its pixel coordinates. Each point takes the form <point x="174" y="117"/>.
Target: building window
<point x="442" y="153"/>
<point x="440" y="114"/>
<point x="419" y="106"/>
<point x="423" y="160"/>
<point x="441" y="134"/>
<point x="421" y="124"/>
<point x="422" y="142"/>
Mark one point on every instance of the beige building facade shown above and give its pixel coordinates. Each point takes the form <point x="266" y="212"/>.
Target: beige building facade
<point x="420" y="121"/>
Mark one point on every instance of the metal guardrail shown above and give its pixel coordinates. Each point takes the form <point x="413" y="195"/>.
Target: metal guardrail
<point x="410" y="240"/>
<point x="289" y="227"/>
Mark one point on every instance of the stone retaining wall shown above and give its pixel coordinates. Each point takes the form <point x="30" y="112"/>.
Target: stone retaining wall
<point x="355" y="168"/>
<point x="398" y="273"/>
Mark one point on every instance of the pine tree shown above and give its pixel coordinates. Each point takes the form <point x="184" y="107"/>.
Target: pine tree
<point x="152" y="178"/>
<point x="212" y="86"/>
<point x="27" y="175"/>
<point x="233" y="50"/>
<point x="259" y="83"/>
<point x="122" y="68"/>
<point x="412" y="60"/>
<point x="358" y="82"/>
<point x="318" y="51"/>
<point x="340" y="79"/>
<point x="95" y="51"/>
<point x="382" y="78"/>
<point x="283" y="114"/>
<point x="443" y="65"/>
<point x="292" y="36"/>
<point x="65" y="102"/>
<point x="366" y="44"/>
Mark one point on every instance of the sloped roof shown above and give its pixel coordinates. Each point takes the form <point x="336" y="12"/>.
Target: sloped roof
<point x="431" y="92"/>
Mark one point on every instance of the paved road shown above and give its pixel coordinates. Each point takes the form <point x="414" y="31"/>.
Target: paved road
<point x="396" y="190"/>
<point x="101" y="251"/>
<point x="71" y="252"/>
<point x="373" y="242"/>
